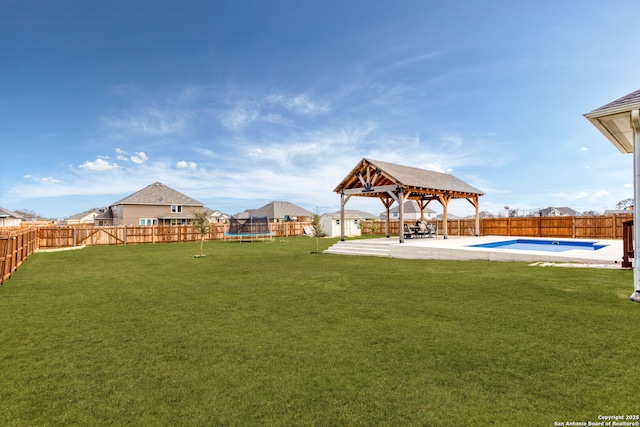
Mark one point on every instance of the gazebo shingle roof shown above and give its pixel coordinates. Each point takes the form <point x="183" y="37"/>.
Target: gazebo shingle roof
<point x="413" y="177"/>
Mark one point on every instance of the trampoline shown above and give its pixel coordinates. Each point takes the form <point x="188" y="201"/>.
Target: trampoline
<point x="248" y="229"/>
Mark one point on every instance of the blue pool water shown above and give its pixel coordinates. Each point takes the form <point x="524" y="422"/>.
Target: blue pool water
<point x="541" y="245"/>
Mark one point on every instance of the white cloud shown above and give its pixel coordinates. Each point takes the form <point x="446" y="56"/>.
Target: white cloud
<point x="139" y="157"/>
<point x="122" y="155"/>
<point x="46" y="179"/>
<point x="186" y="165"/>
<point x="276" y="108"/>
<point x="98" y="165"/>
<point x="436" y="167"/>
<point x="301" y="104"/>
<point x="52" y="180"/>
<point x="150" y="121"/>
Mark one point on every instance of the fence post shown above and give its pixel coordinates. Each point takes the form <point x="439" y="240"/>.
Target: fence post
<point x="124" y="235"/>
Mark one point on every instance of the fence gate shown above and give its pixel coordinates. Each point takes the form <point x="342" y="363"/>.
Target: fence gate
<point x="59" y="237"/>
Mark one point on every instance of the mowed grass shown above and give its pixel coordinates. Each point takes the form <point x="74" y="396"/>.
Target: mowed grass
<point x="268" y="333"/>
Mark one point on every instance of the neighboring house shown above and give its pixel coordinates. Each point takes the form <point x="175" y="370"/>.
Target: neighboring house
<point x="449" y="217"/>
<point x="330" y="222"/>
<point x="155" y="204"/>
<point x="483" y="214"/>
<point x="553" y="211"/>
<point x="9" y="218"/>
<point x="86" y="217"/>
<point x="411" y="212"/>
<point x="279" y="212"/>
<point x="215" y="216"/>
<point x="626" y="211"/>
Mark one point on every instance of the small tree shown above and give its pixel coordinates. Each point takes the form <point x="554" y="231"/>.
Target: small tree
<point x="318" y="230"/>
<point x="201" y="222"/>
<point x="626" y="203"/>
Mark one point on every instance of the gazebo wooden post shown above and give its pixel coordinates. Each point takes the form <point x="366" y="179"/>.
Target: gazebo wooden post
<point x="401" y="212"/>
<point x="444" y="201"/>
<point x="386" y="223"/>
<point x="387" y="202"/>
<point x="343" y="201"/>
<point x="423" y="205"/>
<point x="476" y="203"/>
<point x="477" y="217"/>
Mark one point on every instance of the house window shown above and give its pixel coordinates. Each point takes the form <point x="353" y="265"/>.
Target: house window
<point x="176" y="208"/>
<point x="148" y="221"/>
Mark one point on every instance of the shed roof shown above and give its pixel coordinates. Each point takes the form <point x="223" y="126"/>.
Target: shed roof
<point x="352" y="213"/>
<point x="6" y="213"/>
<point x="158" y="194"/>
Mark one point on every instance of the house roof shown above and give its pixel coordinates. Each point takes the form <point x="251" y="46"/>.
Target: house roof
<point x="614" y="120"/>
<point x="158" y="194"/>
<point x="410" y="206"/>
<point x="6" y="213"/>
<point x="565" y="211"/>
<point x="107" y="214"/>
<point x="631" y="100"/>
<point x="279" y="210"/>
<point x="84" y="214"/>
<point x="420" y="181"/>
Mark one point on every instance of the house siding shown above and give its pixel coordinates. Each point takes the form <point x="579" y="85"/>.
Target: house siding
<point x="131" y="214"/>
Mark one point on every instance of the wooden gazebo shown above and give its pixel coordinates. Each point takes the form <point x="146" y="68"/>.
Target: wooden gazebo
<point x="396" y="183"/>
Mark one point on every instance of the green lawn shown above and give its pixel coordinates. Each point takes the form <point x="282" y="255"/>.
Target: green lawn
<point x="268" y="333"/>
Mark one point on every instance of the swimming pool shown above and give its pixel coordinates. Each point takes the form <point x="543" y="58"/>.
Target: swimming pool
<point x="541" y="245"/>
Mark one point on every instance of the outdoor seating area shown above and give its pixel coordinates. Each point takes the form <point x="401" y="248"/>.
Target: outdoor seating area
<point x="420" y="230"/>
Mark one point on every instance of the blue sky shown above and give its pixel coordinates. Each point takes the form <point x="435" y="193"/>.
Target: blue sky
<point x="239" y="103"/>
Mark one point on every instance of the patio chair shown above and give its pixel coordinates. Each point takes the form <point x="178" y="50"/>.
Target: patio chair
<point x="408" y="233"/>
<point x="432" y="230"/>
<point x="422" y="229"/>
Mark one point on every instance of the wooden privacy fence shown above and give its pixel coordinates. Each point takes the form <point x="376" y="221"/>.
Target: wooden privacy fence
<point x="577" y="227"/>
<point x="69" y="236"/>
<point x="15" y="247"/>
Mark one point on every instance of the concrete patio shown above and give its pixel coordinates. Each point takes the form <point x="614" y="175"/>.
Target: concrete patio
<point x="458" y="248"/>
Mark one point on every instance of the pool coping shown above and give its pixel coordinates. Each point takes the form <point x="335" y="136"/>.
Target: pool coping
<point x="458" y="248"/>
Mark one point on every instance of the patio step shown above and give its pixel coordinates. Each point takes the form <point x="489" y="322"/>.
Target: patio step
<point x="366" y="247"/>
